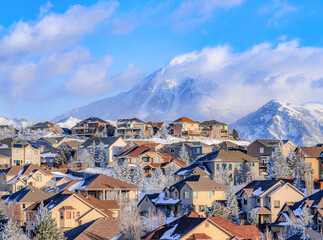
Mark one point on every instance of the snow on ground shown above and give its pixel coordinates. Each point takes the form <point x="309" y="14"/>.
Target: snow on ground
<point x="97" y="170"/>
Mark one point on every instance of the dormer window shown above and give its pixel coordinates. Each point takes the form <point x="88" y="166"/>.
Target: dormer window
<point x="166" y="194"/>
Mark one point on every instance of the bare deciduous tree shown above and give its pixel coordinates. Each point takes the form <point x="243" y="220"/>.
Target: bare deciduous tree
<point x="130" y="222"/>
<point x="15" y="213"/>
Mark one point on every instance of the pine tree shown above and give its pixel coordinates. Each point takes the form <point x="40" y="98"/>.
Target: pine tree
<point x="156" y="179"/>
<point x="183" y="155"/>
<point x="142" y="134"/>
<point x="222" y="175"/>
<point x="116" y="170"/>
<point x="3" y="210"/>
<point x="235" y="134"/>
<point x="125" y="173"/>
<point x="10" y="231"/>
<point x="138" y="175"/>
<point x="304" y="220"/>
<point x="278" y="167"/>
<point x="102" y="157"/>
<point x="232" y="206"/>
<point x="292" y="162"/>
<point x="163" y="132"/>
<point x="45" y="226"/>
<point x="64" y="154"/>
<point x="297" y="179"/>
<point x="217" y="210"/>
<point x="252" y="217"/>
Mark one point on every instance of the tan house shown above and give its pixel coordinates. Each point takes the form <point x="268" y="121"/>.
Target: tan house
<point x="55" y="141"/>
<point x="185" y="128"/>
<point x="113" y="146"/>
<point x="130" y="128"/>
<point x="215" y="129"/>
<point x="267" y="197"/>
<point x="152" y="128"/>
<point x="150" y="158"/>
<point x="20" y="152"/>
<point x="241" y="167"/>
<point x="101" y="228"/>
<point x="70" y="209"/>
<point x="104" y="187"/>
<point x="193" y="192"/>
<point x="47" y="126"/>
<point x="17" y="177"/>
<point x="194" y="226"/>
<point x="262" y="149"/>
<point x="291" y="212"/>
<point x="313" y="155"/>
<point x="89" y="127"/>
<point x="156" y="146"/>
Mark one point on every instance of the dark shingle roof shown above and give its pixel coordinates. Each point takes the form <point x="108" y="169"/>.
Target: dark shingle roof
<point x="106" y="141"/>
<point x="28" y="194"/>
<point x="263" y="185"/>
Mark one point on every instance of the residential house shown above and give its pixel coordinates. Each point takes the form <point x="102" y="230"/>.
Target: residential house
<point x="101" y="228"/>
<point x="130" y="128"/>
<point x="152" y="128"/>
<point x="113" y="146"/>
<point x="70" y="209"/>
<point x="156" y="146"/>
<point x="185" y="128"/>
<point x="149" y="158"/>
<point x="104" y="187"/>
<point x="267" y="197"/>
<point x="17" y="177"/>
<point x="4" y="161"/>
<point x="20" y="152"/>
<point x="194" y="226"/>
<point x="292" y="210"/>
<point x="194" y="192"/>
<point x="89" y="127"/>
<point x="241" y="167"/>
<point x="313" y="156"/>
<point x="262" y="149"/>
<point x="55" y="142"/>
<point x="194" y="149"/>
<point x="308" y="233"/>
<point x="215" y="129"/>
<point x="25" y="197"/>
<point x="47" y="126"/>
<point x="230" y="146"/>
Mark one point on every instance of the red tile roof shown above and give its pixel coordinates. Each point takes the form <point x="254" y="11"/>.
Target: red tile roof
<point x="185" y="119"/>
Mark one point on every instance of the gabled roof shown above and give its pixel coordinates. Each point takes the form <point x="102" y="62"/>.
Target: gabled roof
<point x="52" y="140"/>
<point x="185" y="119"/>
<point x="101" y="181"/>
<point x="107" y="141"/>
<point x="315" y="201"/>
<point x="127" y="120"/>
<point x="94" y="119"/>
<point x="224" y="155"/>
<point x="258" y="187"/>
<point x="136" y="151"/>
<point x="28" y="194"/>
<point x="193" y="169"/>
<point x="101" y="228"/>
<point x="198" y="236"/>
<point x="271" y="142"/>
<point x="312" y="152"/>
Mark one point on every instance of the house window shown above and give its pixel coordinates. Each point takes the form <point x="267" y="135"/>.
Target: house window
<point x="224" y="166"/>
<point x="134" y="160"/>
<point x="19" y="187"/>
<point x="176" y="194"/>
<point x="156" y="159"/>
<point x="251" y="164"/>
<point x="166" y="194"/>
<point x="62" y="215"/>
<point x="38" y="177"/>
<point x="28" y="151"/>
<point x="23" y="206"/>
<point x="238" y="164"/>
<point x="202" y="208"/>
<point x="195" y="194"/>
<point x="145" y="159"/>
<point x="258" y="199"/>
<point x="244" y="201"/>
<point x="16" y="151"/>
<point x="217" y="166"/>
<point x="261" y="150"/>
<point x="276" y="204"/>
<point x="68" y="215"/>
<point x="172" y="150"/>
<point x="208" y="194"/>
<point x="197" y="150"/>
<point x="230" y="166"/>
<point x="186" y="194"/>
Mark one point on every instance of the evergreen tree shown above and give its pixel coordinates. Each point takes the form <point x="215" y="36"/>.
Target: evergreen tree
<point x="102" y="160"/>
<point x="86" y="158"/>
<point x="116" y="170"/>
<point x="252" y="217"/>
<point x="292" y="162"/>
<point x="169" y="176"/>
<point x="217" y="210"/>
<point x="142" y="134"/>
<point x="305" y="219"/>
<point x="10" y="231"/>
<point x="183" y="155"/>
<point x="232" y="206"/>
<point x="64" y="154"/>
<point x="156" y="179"/>
<point x="235" y="134"/>
<point x="163" y="132"/>
<point x="297" y="179"/>
<point x="138" y="175"/>
<point x="125" y="172"/>
<point x="222" y="175"/>
<point x="44" y="227"/>
<point x="278" y="167"/>
<point x="3" y="210"/>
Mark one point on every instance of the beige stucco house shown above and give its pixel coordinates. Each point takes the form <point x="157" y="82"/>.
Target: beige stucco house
<point x="185" y="128"/>
<point x="313" y="156"/>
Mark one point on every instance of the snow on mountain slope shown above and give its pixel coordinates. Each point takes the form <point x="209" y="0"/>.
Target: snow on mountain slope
<point x="15" y="122"/>
<point x="164" y="95"/>
<point x="278" y="120"/>
<point x="68" y="122"/>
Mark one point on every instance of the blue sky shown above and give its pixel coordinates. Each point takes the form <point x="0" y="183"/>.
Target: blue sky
<point x="60" y="55"/>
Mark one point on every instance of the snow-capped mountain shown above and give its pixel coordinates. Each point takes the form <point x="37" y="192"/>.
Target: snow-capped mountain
<point x="15" y="122"/>
<point x="164" y="95"/>
<point x="68" y="122"/>
<point x="279" y="120"/>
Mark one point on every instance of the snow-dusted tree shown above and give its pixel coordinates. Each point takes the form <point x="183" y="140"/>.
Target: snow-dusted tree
<point x="297" y="179"/>
<point x="252" y="217"/>
<point x="130" y="222"/>
<point x="222" y="175"/>
<point x="86" y="158"/>
<point x="309" y="180"/>
<point x="304" y="220"/>
<point x="64" y="154"/>
<point x="217" y="210"/>
<point x="138" y="175"/>
<point x="3" y="210"/>
<point x="163" y="132"/>
<point x="101" y="157"/>
<point x="10" y="231"/>
<point x="44" y="226"/>
<point x="116" y="170"/>
<point x="232" y="206"/>
<point x="244" y="173"/>
<point x="169" y="176"/>
<point x="142" y="134"/>
<point x="183" y="155"/>
<point x="125" y="173"/>
<point x="156" y="179"/>
<point x="292" y="162"/>
<point x="278" y="167"/>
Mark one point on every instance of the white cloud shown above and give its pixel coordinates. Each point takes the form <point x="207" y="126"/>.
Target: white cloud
<point x="246" y="80"/>
<point x="192" y="13"/>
